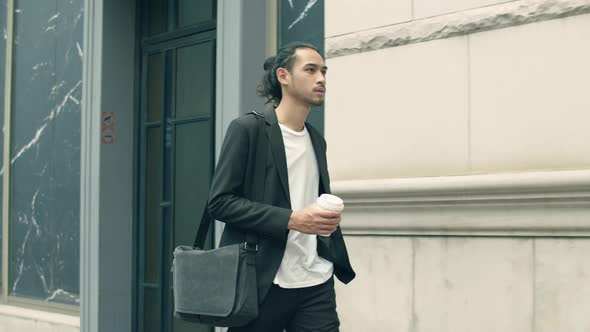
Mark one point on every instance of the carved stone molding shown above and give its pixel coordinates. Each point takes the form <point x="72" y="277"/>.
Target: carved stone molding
<point x="555" y="203"/>
<point x="454" y="24"/>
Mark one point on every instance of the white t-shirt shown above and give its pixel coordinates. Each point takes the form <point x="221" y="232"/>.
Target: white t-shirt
<point x="301" y="266"/>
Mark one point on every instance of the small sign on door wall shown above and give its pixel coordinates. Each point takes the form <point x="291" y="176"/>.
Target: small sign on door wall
<point x="107" y="132"/>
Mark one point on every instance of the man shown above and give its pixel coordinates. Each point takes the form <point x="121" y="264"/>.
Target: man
<point x="295" y="259"/>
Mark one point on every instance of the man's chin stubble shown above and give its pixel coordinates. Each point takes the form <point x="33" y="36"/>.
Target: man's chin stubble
<point x="317" y="103"/>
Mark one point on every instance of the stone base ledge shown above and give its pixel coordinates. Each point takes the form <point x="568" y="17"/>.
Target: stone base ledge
<point x="555" y="203"/>
<point x="39" y="316"/>
<point x="455" y="24"/>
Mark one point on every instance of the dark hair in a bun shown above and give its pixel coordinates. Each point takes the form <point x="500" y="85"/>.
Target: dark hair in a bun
<point x="269" y="87"/>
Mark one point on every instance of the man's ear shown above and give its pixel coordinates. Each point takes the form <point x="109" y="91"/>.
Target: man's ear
<point x="282" y="74"/>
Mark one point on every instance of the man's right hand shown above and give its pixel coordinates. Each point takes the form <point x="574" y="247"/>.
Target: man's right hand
<point x="314" y="220"/>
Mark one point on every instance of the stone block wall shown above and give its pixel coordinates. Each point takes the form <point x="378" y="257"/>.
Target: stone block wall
<point x="459" y="137"/>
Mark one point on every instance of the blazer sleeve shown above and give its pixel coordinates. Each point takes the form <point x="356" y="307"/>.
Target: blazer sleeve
<point x="227" y="201"/>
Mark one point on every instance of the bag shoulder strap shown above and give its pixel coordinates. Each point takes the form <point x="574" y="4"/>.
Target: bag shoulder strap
<point x="256" y="191"/>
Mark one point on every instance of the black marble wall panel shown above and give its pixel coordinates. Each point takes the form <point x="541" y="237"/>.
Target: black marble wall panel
<point x="45" y="150"/>
<point x="303" y="20"/>
<point x="3" y="37"/>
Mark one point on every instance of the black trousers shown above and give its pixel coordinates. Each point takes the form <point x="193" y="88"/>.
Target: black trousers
<point x="296" y="310"/>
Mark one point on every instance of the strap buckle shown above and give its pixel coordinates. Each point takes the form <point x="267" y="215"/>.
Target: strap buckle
<point x="250" y="246"/>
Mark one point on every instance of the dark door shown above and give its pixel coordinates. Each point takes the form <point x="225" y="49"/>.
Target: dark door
<point x="176" y="146"/>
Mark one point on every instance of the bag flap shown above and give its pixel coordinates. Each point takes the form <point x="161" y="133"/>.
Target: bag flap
<point x="205" y="281"/>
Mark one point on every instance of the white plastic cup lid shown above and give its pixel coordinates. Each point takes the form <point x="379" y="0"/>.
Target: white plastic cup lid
<point x="331" y="202"/>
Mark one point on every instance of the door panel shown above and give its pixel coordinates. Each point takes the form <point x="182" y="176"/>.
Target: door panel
<point x="157" y="16"/>
<point x="192" y="170"/>
<point x="152" y="310"/>
<point x="155" y="80"/>
<point x="193" y="77"/>
<point x="192" y="12"/>
<point x="152" y="205"/>
<point x="177" y="148"/>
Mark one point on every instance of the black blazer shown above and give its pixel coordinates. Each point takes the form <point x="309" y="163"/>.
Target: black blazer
<point x="229" y="201"/>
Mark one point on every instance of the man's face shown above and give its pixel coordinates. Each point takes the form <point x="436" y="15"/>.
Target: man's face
<point x="307" y="78"/>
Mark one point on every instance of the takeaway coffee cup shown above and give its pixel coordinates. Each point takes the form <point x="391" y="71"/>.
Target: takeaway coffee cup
<point x="330" y="202"/>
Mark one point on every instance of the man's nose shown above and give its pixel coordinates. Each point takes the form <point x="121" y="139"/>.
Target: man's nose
<point x="321" y="78"/>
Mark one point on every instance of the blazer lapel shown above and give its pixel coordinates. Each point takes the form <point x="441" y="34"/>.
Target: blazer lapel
<point x="275" y="137"/>
<point x="320" y="154"/>
<point x="323" y="243"/>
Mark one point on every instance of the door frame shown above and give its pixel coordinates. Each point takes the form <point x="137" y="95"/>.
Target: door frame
<point x="243" y="41"/>
<point x="167" y="44"/>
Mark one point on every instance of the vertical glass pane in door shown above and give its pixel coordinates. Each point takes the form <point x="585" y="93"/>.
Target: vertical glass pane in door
<point x="192" y="169"/>
<point x="194" y="80"/>
<point x="155" y="80"/>
<point x="152" y="204"/>
<point x="193" y="12"/>
<point x="157" y="12"/>
<point x="152" y="310"/>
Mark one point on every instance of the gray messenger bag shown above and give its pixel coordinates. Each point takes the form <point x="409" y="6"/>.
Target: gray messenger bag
<point x="218" y="286"/>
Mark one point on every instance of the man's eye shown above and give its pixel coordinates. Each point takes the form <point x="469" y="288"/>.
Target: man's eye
<point x="309" y="70"/>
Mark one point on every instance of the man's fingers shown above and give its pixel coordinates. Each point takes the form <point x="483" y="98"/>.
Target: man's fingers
<point x="324" y="221"/>
<point x="329" y="214"/>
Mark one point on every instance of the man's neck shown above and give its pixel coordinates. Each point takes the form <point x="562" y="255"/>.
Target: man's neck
<point x="291" y="114"/>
